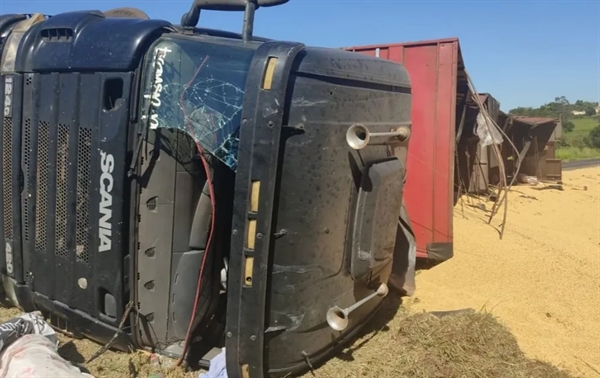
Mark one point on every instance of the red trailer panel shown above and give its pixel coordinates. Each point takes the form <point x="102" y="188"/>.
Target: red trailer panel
<point x="438" y="83"/>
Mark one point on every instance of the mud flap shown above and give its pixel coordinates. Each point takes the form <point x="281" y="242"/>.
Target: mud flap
<point x="402" y="278"/>
<point x="440" y="252"/>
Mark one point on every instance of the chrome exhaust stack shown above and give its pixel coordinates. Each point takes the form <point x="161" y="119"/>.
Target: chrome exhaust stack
<point x="337" y="317"/>
<point x="358" y="136"/>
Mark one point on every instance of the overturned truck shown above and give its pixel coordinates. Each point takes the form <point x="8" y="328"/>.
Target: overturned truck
<point x="186" y="189"/>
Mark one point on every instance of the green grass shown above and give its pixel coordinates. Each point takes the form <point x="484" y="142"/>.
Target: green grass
<point x="583" y="126"/>
<point x="576" y="151"/>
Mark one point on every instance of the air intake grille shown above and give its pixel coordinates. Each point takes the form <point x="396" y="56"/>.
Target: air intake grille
<point x="27" y="164"/>
<point x="84" y="157"/>
<point x="62" y="182"/>
<point x="41" y="209"/>
<point x="57" y="35"/>
<point x="7" y="179"/>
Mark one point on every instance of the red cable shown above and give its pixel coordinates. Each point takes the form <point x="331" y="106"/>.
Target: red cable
<point x="212" y="216"/>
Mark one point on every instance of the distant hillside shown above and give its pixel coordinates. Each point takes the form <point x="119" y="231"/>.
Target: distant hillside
<point x="560" y="107"/>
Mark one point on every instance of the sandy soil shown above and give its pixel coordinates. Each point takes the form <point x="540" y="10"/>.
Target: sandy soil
<point x="542" y="280"/>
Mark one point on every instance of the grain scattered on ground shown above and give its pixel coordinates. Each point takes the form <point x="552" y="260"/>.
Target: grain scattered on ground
<point x="423" y="345"/>
<point x="542" y="280"/>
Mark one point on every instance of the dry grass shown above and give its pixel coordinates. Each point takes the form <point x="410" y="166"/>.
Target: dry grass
<point x="445" y="345"/>
<point x="119" y="365"/>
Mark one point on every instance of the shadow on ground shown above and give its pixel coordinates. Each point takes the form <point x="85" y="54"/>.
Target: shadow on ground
<point x="378" y="325"/>
<point x="454" y="344"/>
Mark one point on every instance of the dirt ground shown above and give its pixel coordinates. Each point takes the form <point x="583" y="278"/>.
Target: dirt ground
<point x="542" y="281"/>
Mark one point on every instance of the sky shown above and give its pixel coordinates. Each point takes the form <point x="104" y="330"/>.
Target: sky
<point x="523" y="52"/>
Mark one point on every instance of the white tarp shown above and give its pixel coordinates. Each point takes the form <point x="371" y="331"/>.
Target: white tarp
<point x="35" y="356"/>
<point x="28" y="349"/>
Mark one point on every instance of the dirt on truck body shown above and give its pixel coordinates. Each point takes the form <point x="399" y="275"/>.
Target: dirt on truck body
<point x="188" y="189"/>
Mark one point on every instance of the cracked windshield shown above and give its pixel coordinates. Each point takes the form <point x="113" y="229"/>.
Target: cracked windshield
<point x="198" y="88"/>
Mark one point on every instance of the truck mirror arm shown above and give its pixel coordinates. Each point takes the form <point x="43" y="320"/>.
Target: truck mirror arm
<point x="191" y="18"/>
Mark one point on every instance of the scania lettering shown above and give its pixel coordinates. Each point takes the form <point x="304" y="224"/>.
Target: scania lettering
<point x="106" y="184"/>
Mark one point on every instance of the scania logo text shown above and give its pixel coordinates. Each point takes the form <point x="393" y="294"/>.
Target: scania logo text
<point x="107" y="164"/>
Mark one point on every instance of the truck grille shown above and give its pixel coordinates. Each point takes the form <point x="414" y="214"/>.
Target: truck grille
<point x="41" y="208"/>
<point x="50" y="204"/>
<point x="84" y="158"/>
<point x="41" y="192"/>
<point x="62" y="180"/>
<point x="7" y="125"/>
<point x="26" y="164"/>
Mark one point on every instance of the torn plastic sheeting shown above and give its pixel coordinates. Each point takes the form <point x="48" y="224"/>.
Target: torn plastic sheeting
<point x="197" y="88"/>
<point x="25" y="324"/>
<point x="29" y="349"/>
<point x="34" y="356"/>
<point x="488" y="134"/>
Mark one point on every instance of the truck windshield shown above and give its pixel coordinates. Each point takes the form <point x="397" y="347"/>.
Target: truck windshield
<point x="199" y="88"/>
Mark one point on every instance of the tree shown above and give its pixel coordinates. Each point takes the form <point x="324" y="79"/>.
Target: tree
<point x="593" y="139"/>
<point x="562" y="100"/>
<point x="562" y="142"/>
<point x="560" y="107"/>
<point x="568" y="126"/>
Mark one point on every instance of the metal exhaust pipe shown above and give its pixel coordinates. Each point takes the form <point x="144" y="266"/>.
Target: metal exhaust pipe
<point x="337" y="317"/>
<point x="358" y="136"/>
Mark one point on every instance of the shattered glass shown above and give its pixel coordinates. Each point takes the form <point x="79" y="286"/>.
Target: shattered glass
<point x="199" y="88"/>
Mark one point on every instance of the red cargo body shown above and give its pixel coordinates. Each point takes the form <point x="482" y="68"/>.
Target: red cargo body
<point x="437" y="78"/>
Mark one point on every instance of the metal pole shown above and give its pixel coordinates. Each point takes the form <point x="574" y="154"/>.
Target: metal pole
<point x="248" y="27"/>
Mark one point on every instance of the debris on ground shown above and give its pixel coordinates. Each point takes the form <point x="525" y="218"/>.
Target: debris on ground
<point x="34" y="355"/>
<point x="555" y="187"/>
<point x="28" y="349"/>
<point x="24" y="324"/>
<point x="530" y="180"/>
<point x="444" y="344"/>
<point x="480" y="206"/>
<point x="528" y="197"/>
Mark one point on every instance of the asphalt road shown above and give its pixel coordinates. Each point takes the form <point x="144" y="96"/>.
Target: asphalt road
<point x="570" y="165"/>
